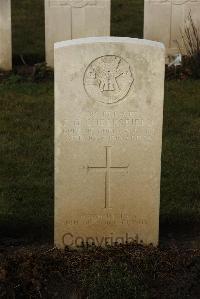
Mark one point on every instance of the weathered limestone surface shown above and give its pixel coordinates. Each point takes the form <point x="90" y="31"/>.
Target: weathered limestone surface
<point x="5" y="35"/>
<point x="108" y="134"/>
<point x="71" y="19"/>
<point x="164" y="20"/>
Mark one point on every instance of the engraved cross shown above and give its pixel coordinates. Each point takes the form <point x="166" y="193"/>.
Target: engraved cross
<point x="107" y="169"/>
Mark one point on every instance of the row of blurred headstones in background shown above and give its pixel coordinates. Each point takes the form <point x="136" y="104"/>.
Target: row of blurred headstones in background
<point x="71" y="19"/>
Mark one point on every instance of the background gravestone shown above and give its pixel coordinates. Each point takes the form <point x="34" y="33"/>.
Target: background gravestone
<point x="70" y="19"/>
<point x="108" y="132"/>
<point x="5" y="35"/>
<point x="164" y="19"/>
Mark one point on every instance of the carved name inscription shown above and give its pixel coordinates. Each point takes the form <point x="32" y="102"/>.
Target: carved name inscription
<point x="109" y="127"/>
<point x="108" y="79"/>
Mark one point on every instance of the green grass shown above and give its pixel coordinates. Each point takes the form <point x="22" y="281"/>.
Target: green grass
<point x="180" y="185"/>
<point x="26" y="129"/>
<point x="26" y="159"/>
<point x="127" y="18"/>
<point x="28" y="35"/>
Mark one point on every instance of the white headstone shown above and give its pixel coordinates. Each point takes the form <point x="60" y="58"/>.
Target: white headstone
<point x="164" y="20"/>
<point x="5" y="35"/>
<point x="108" y="132"/>
<point x="70" y="19"/>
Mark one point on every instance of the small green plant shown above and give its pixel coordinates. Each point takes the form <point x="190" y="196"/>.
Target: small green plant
<point x="41" y="72"/>
<point x="11" y="79"/>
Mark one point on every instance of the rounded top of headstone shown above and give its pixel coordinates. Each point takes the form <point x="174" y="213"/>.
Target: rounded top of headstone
<point x="109" y="39"/>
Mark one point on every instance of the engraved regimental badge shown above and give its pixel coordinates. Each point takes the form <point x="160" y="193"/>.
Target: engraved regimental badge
<point x="108" y="79"/>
